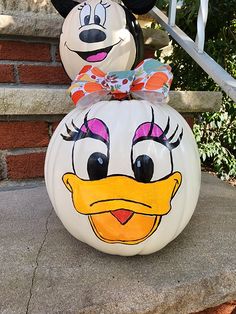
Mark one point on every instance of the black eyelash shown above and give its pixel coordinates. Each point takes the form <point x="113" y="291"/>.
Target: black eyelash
<point x="72" y="135"/>
<point x="177" y="142"/>
<point x="163" y="137"/>
<point x="78" y="134"/>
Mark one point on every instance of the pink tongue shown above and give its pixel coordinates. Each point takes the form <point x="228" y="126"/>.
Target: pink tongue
<point x="98" y="57"/>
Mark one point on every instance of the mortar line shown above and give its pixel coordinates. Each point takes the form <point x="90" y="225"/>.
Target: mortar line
<point x="53" y="54"/>
<point x="31" y="62"/>
<point x="36" y="261"/>
<point x="16" y="74"/>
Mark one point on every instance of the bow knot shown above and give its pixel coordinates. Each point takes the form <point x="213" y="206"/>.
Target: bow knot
<point x="150" y="80"/>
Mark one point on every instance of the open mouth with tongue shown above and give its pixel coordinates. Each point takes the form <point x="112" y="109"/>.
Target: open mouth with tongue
<point x="94" y="55"/>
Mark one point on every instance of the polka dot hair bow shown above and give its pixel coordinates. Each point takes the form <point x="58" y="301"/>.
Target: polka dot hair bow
<point x="150" y="80"/>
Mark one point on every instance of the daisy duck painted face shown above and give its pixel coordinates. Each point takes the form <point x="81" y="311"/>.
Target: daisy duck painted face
<point x="123" y="194"/>
<point x="101" y="32"/>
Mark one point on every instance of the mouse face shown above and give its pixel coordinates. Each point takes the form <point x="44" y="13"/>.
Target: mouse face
<point x="91" y="35"/>
<point x="102" y="33"/>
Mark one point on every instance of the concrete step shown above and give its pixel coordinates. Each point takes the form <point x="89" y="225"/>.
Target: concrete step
<point x="19" y="17"/>
<point x="45" y="270"/>
<point x="55" y="101"/>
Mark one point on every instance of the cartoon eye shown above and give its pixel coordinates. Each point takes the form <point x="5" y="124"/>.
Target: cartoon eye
<point x="143" y="168"/>
<point x="150" y="161"/>
<point x="85" y="163"/>
<point x="85" y="15"/>
<point x="100" y="14"/>
<point x="97" y="166"/>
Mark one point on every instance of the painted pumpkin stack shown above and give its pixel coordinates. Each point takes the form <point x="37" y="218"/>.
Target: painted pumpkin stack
<point x="122" y="169"/>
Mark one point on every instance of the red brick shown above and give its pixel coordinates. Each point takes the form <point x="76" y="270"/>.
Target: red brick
<point x="7" y="73"/>
<point x="226" y="308"/>
<point x="38" y="74"/>
<point x="27" y="166"/>
<point x="149" y="53"/>
<point x="24" y="51"/>
<point x="23" y="134"/>
<point x="55" y="125"/>
<point x="189" y="119"/>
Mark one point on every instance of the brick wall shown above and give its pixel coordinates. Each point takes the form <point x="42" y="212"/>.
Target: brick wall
<point x="23" y="147"/>
<point x="23" y="143"/>
<point x="30" y="62"/>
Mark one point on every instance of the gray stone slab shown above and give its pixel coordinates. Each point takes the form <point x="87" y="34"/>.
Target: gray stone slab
<point x="155" y="38"/>
<point x="59" y="274"/>
<point x="29" y="18"/>
<point x="31" y="24"/>
<point x="24" y="6"/>
<point x="23" y="216"/>
<point x="47" y="101"/>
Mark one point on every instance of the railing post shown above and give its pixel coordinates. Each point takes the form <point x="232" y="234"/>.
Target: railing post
<point x="172" y="13"/>
<point x="201" y="25"/>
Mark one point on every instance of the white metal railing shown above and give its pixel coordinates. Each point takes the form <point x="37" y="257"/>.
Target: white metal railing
<point x="196" y="49"/>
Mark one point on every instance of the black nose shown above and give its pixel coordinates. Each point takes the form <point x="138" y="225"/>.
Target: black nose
<point x="92" y="36"/>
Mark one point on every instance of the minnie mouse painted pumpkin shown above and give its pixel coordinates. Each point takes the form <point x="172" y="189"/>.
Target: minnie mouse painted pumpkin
<point x="101" y="32"/>
<point x="123" y="175"/>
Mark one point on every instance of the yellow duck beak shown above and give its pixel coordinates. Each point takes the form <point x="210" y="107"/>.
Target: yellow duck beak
<point x="121" y="209"/>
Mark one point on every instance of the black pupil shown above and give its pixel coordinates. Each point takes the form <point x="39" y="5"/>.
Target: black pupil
<point x="97" y="19"/>
<point x="143" y="168"/>
<point x="97" y="166"/>
<point x="86" y="19"/>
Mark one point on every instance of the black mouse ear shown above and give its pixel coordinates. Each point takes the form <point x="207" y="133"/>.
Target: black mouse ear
<point x="64" y="7"/>
<point x="139" y="6"/>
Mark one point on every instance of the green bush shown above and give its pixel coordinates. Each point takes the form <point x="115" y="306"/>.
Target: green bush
<point x="215" y="132"/>
<point x="215" y="135"/>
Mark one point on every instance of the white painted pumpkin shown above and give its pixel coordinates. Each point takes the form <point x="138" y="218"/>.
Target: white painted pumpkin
<point x="123" y="176"/>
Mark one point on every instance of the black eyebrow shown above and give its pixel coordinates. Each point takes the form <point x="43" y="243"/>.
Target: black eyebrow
<point x="105" y="4"/>
<point x="82" y="5"/>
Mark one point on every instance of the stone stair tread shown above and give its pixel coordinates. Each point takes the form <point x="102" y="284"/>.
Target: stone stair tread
<point x="46" y="270"/>
<point x="34" y="100"/>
